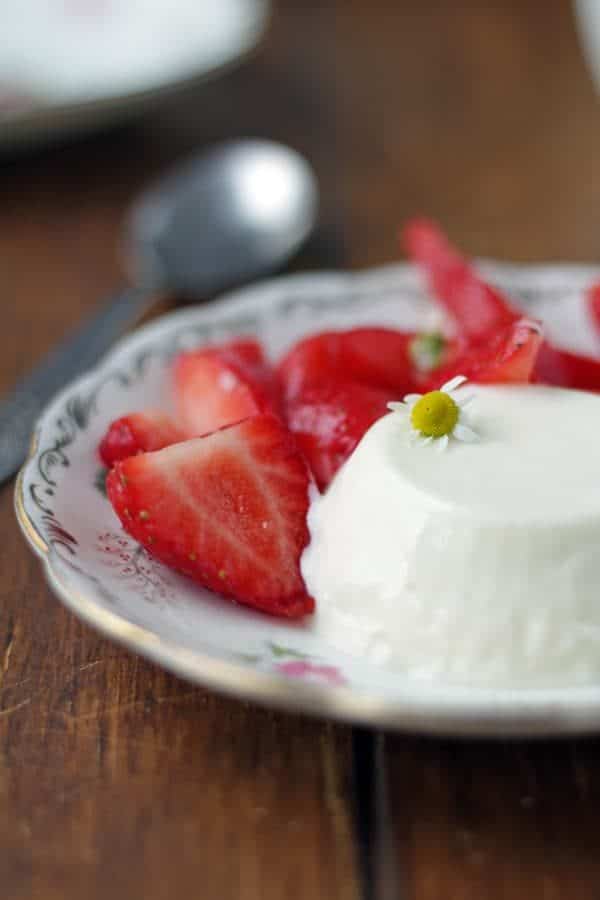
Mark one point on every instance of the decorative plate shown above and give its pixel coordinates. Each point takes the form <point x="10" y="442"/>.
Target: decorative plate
<point x="112" y="584"/>
<point x="70" y="66"/>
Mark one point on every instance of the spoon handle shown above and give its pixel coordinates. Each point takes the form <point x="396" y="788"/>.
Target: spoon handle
<point x="78" y="352"/>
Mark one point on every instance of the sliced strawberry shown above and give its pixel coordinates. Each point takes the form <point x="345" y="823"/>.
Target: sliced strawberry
<point x="329" y="420"/>
<point x="228" y="509"/>
<point x="218" y="386"/>
<point x="593" y="299"/>
<point x="138" y="433"/>
<point x="477" y="308"/>
<point x="480" y="311"/>
<point x="211" y="394"/>
<point x="245" y="351"/>
<point x="565" y="369"/>
<point x="379" y="357"/>
<point x="509" y="355"/>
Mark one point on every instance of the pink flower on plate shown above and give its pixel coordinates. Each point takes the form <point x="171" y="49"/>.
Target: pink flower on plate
<point x="307" y="671"/>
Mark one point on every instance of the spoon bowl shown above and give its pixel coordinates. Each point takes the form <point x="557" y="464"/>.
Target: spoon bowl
<point x="237" y="212"/>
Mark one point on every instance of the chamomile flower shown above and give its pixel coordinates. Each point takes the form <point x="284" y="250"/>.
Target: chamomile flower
<point x="438" y="415"/>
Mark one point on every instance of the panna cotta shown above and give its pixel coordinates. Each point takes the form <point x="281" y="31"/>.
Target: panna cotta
<point x="478" y="565"/>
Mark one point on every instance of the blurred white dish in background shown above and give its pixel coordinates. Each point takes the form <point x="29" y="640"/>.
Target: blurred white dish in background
<point x="83" y="49"/>
<point x="587" y="16"/>
<point x="104" y="57"/>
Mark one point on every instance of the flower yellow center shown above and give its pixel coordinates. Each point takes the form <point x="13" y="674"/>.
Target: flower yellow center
<point x="435" y="414"/>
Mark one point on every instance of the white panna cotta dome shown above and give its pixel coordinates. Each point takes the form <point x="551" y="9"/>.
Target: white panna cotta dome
<point x="479" y="565"/>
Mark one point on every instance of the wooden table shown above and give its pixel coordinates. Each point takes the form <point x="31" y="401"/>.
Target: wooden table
<point x="116" y="779"/>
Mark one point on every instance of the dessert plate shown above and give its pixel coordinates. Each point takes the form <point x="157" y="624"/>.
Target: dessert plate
<point x="108" y="581"/>
<point x="70" y="66"/>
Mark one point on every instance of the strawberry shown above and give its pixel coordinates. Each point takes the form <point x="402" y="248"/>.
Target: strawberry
<point x="218" y="386"/>
<point x="329" y="420"/>
<point x="566" y="369"/>
<point x="593" y="299"/>
<point x="476" y="307"/>
<point x="228" y="510"/>
<point x="138" y="433"/>
<point x="509" y="355"/>
<point x="379" y="357"/>
<point x="245" y="351"/>
<point x="480" y="310"/>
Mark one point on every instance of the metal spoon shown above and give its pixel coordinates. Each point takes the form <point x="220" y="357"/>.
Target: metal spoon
<point x="237" y="212"/>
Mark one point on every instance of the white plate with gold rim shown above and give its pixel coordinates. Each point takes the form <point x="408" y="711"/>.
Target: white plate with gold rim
<point x="104" y="578"/>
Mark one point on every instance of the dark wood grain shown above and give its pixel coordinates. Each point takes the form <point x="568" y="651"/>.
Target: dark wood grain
<point x="515" y="820"/>
<point x="117" y="779"/>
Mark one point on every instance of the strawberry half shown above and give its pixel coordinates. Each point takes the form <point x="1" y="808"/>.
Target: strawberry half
<point x="509" y="355"/>
<point x="138" y="433"/>
<point x="228" y="510"/>
<point x="480" y="312"/>
<point x="565" y="369"/>
<point x="477" y="308"/>
<point x="379" y="357"/>
<point x="328" y="421"/>
<point x="218" y="386"/>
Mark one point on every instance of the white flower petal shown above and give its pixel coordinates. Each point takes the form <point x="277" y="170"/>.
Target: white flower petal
<point x="427" y="441"/>
<point x="412" y="398"/>
<point x="453" y="384"/>
<point x="442" y="443"/>
<point x="465" y="401"/>
<point x="397" y="406"/>
<point x="465" y="434"/>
